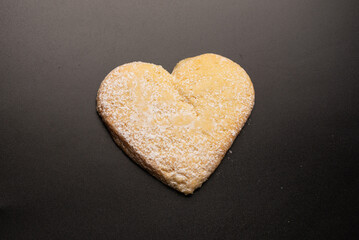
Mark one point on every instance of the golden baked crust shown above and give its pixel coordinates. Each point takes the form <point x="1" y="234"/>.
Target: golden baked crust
<point x="177" y="126"/>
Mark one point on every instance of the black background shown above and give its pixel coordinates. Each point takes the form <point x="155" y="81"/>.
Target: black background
<point x="293" y="170"/>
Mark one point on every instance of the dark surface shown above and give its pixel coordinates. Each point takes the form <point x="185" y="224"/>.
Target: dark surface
<point x="293" y="170"/>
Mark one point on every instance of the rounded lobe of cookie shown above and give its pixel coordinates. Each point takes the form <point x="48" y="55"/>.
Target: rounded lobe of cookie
<point x="220" y="90"/>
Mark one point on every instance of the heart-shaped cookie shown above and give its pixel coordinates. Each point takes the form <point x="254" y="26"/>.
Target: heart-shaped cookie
<point x="177" y="126"/>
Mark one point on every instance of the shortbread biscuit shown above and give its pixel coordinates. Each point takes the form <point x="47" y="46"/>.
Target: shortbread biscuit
<point x="177" y="126"/>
